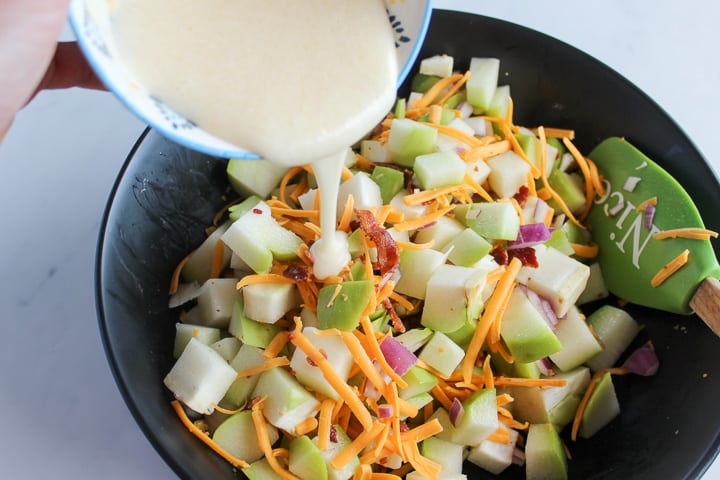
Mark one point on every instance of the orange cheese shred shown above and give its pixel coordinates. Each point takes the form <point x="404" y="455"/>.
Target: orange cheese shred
<point x="262" y="278"/>
<point x="553" y="132"/>
<point x="360" y="442"/>
<point x="690" y="233"/>
<point x="585" y="251"/>
<point x="175" y="279"/>
<point x="325" y="422"/>
<point x="650" y="201"/>
<point x="492" y="311"/>
<point x="363" y="361"/>
<point x="235" y="462"/>
<point x="346" y="216"/>
<point x="463" y="137"/>
<point x="218" y="259"/>
<point x="503" y="381"/>
<point x="276" y="344"/>
<point x="286" y="179"/>
<point x="266" y="365"/>
<point x="264" y="442"/>
<point x="588" y="393"/>
<point x="585" y="169"/>
<point x="543" y="175"/>
<point x="487" y="151"/>
<point x="477" y="188"/>
<point x="420" y="433"/>
<point x="435" y="90"/>
<point x="454" y="89"/>
<point x="426" y="219"/>
<point x="429" y="195"/>
<point x="670" y="268"/>
<point x="298" y="339"/>
<point x="306" y="426"/>
<point x="499" y="436"/>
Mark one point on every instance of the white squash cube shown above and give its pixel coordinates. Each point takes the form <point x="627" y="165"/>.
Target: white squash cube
<point x="558" y="278"/>
<point x="200" y="377"/>
<point x="508" y="172"/>
<point x="268" y="302"/>
<point x="337" y="354"/>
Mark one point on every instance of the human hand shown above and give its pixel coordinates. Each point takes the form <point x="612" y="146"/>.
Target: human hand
<point x="30" y="57"/>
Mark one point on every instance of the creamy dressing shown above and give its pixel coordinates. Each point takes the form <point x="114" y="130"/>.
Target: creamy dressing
<point x="296" y="81"/>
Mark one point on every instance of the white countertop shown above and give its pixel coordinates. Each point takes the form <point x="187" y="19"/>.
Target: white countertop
<point x="63" y="417"/>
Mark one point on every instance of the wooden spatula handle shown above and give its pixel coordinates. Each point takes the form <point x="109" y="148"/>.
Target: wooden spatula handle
<point x="706" y="303"/>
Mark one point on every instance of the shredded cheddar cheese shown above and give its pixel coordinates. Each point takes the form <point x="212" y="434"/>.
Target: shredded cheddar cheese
<point x="690" y="233"/>
<point x="670" y="268"/>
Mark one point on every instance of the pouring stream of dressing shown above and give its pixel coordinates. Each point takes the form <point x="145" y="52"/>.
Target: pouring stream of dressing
<point x="297" y="82"/>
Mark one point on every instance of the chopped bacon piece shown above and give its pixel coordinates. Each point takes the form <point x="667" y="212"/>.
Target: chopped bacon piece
<point x="522" y="195"/>
<point x="526" y="255"/>
<point x="500" y="254"/>
<point x="397" y="322"/>
<point x="387" y="250"/>
<point x="297" y="272"/>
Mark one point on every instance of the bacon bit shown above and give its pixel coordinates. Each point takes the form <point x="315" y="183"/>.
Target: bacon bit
<point x="387" y="250"/>
<point x="500" y="254"/>
<point x="333" y="434"/>
<point x="525" y="254"/>
<point x="298" y="273"/>
<point x="397" y="322"/>
<point x="522" y="195"/>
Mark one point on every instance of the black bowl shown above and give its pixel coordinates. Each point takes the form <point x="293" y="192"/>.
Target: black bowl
<point x="166" y="195"/>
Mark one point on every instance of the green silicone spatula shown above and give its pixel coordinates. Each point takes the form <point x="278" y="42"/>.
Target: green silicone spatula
<point x="629" y="254"/>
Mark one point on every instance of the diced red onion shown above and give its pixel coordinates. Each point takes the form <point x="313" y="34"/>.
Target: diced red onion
<point x="643" y="361"/>
<point x="385" y="411"/>
<point x="518" y="457"/>
<point x="530" y="234"/>
<point x="542" y="306"/>
<point x="649" y="216"/>
<point x="545" y="367"/>
<point x="398" y="357"/>
<point x="465" y="109"/>
<point x="456" y="412"/>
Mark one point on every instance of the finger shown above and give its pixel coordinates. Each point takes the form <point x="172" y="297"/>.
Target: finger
<point x="69" y="68"/>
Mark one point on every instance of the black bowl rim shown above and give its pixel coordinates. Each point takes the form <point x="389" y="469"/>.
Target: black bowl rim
<point x="712" y="451"/>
